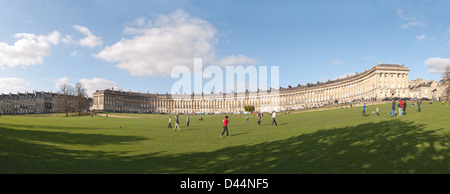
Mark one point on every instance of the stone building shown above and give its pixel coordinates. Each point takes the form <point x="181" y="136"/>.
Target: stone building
<point x="381" y="81"/>
<point x="429" y="89"/>
<point x="31" y="103"/>
<point x="422" y="89"/>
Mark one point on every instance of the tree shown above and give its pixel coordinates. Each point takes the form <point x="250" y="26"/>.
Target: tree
<point x="66" y="90"/>
<point x="249" y="108"/>
<point x="81" y="100"/>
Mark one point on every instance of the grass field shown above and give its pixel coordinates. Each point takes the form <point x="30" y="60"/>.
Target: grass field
<point x="330" y="141"/>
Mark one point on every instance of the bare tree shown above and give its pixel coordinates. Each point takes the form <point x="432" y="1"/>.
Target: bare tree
<point x="81" y="100"/>
<point x="66" y="101"/>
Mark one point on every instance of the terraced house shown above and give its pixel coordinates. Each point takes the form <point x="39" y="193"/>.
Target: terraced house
<point x="30" y="103"/>
<point x="381" y="81"/>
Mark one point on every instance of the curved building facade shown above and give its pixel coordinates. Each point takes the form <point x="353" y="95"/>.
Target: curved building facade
<point x="381" y="81"/>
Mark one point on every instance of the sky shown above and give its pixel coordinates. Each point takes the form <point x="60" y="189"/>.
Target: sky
<point x="135" y="45"/>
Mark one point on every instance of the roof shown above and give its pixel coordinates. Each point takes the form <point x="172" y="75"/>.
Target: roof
<point x="389" y="65"/>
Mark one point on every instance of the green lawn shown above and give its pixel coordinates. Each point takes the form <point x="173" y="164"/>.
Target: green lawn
<point x="330" y="141"/>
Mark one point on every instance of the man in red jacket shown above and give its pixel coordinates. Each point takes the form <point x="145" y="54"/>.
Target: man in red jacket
<point x="400" y="104"/>
<point x="225" y="126"/>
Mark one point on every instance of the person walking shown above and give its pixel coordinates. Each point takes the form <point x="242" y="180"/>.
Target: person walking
<point x="187" y="121"/>
<point x="377" y="111"/>
<point x="170" y="122"/>
<point x="225" y="126"/>
<point x="393" y="108"/>
<point x="364" y="110"/>
<point x="274" y="114"/>
<point x="404" y="107"/>
<point x="259" y="119"/>
<point x="419" y="102"/>
<point x="400" y="107"/>
<point x="177" y="124"/>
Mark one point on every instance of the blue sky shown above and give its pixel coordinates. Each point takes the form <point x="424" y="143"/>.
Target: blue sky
<point x="133" y="45"/>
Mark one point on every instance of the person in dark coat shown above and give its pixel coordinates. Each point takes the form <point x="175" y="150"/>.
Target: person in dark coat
<point x="404" y="107"/>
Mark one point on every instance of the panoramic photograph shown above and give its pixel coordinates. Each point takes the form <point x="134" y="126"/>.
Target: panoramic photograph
<point x="224" y="88"/>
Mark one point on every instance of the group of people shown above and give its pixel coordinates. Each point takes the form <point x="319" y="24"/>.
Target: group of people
<point x="259" y="115"/>
<point x="177" y="122"/>
<point x="365" y="108"/>
<point x="401" y="108"/>
<point x="225" y="122"/>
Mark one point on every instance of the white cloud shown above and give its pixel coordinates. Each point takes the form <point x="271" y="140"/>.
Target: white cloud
<point x="421" y="37"/>
<point x="67" y="39"/>
<point x="410" y="21"/>
<point x="28" y="50"/>
<point x="436" y="65"/>
<point x="336" y="62"/>
<point x="91" y="85"/>
<point x="74" y="53"/>
<point x="237" y="60"/>
<point x="13" y="85"/>
<point x="61" y="81"/>
<point x="344" y="76"/>
<point x="90" y="40"/>
<point x="158" y="45"/>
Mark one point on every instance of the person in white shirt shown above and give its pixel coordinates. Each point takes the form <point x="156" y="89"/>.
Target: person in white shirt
<point x="170" y="122"/>
<point x="273" y="118"/>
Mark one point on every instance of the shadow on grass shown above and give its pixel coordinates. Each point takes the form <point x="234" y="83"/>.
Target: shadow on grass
<point x="383" y="147"/>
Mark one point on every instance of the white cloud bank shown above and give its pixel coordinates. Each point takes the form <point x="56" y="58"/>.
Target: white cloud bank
<point x="60" y="81"/>
<point x="421" y="37"/>
<point x="13" y="85"/>
<point x="237" y="60"/>
<point x="410" y="21"/>
<point x="29" y="49"/>
<point x="158" y="45"/>
<point x="161" y="44"/>
<point x="90" y="40"/>
<point x="436" y="65"/>
<point x="91" y="85"/>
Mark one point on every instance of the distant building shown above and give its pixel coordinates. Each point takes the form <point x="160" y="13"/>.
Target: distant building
<point x="429" y="89"/>
<point x="383" y="80"/>
<point x="380" y="82"/>
<point x="31" y="103"/>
